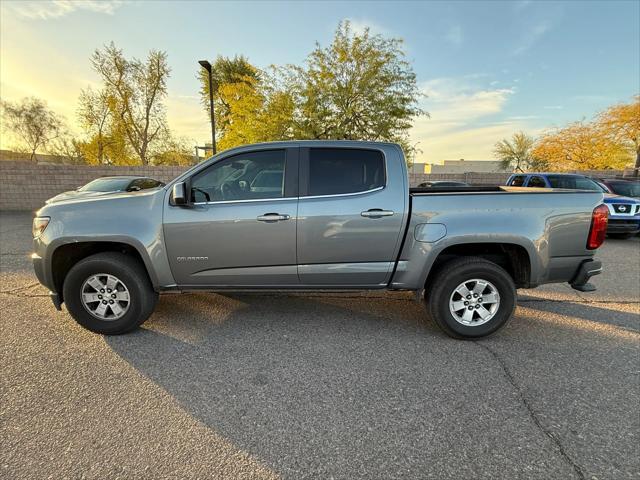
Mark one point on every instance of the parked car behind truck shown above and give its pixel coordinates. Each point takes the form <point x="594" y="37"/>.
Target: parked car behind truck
<point x="622" y="187"/>
<point x="624" y="212"/>
<point x="106" y="185"/>
<point x="329" y="216"/>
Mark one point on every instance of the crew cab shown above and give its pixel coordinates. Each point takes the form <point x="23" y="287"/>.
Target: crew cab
<point x="315" y="216"/>
<point x="624" y="212"/>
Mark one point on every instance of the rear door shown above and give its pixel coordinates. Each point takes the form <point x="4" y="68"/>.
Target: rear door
<point x="350" y="215"/>
<point x="241" y="230"/>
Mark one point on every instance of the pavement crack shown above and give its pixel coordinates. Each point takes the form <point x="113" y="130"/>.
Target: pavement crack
<point x="532" y="414"/>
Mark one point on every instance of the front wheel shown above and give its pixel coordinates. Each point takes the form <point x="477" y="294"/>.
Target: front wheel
<point x="109" y="293"/>
<point x="470" y="298"/>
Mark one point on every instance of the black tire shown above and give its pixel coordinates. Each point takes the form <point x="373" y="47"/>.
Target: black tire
<point x="449" y="276"/>
<point x="620" y="236"/>
<point x="142" y="297"/>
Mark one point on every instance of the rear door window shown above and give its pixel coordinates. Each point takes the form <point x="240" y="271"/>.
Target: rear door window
<point x="536" y="181"/>
<point x="334" y="171"/>
<point x="574" y="183"/>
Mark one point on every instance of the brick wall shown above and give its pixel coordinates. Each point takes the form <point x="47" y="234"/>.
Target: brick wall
<point x="26" y="186"/>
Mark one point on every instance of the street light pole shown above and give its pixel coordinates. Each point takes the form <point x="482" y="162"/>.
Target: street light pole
<point x="207" y="66"/>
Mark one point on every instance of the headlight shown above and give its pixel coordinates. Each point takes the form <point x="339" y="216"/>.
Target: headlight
<point x="39" y="224"/>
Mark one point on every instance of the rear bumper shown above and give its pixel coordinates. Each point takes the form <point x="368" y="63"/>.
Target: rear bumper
<point x="628" y="225"/>
<point x="587" y="269"/>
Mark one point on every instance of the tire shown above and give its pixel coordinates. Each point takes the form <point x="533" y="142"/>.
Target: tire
<point x="442" y="294"/>
<point x="620" y="236"/>
<point x="133" y="296"/>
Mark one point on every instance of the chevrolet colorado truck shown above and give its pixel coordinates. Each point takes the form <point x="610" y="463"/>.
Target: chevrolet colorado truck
<point x="315" y="216"/>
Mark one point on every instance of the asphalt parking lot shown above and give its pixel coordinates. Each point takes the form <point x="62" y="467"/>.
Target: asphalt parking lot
<point x="321" y="386"/>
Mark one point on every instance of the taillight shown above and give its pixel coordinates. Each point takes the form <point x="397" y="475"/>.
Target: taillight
<point x="598" y="230"/>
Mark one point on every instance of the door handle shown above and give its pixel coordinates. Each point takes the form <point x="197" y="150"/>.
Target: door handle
<point x="272" y="217"/>
<point x="376" y="213"/>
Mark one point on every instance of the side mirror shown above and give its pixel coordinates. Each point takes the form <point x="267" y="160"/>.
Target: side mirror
<point x="179" y="194"/>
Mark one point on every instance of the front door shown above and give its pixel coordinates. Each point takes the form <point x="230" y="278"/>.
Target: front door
<point x="241" y="229"/>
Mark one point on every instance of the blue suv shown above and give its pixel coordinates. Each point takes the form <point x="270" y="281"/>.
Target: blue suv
<point x="624" y="212"/>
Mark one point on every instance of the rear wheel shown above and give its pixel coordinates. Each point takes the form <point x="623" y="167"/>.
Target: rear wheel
<point x="109" y="293"/>
<point x="470" y="298"/>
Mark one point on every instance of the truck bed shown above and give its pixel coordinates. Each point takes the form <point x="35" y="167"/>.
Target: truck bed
<point x="491" y="189"/>
<point x="459" y="189"/>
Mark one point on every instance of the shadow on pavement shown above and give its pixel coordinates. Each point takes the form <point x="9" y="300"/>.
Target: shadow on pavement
<point x="589" y="312"/>
<point x="345" y="387"/>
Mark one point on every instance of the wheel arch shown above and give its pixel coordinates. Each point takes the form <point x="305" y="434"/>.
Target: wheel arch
<point x="514" y="258"/>
<point x="66" y="254"/>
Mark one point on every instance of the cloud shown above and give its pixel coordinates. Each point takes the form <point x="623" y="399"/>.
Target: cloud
<point x="59" y="8"/>
<point x="464" y="119"/>
<point x="531" y="36"/>
<point x="455" y="35"/>
<point x="456" y="100"/>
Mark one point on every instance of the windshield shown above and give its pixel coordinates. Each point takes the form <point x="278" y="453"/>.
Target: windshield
<point x="574" y="183"/>
<point x="106" y="185"/>
<point x="626" y="189"/>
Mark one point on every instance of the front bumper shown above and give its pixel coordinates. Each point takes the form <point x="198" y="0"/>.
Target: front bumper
<point x="587" y="269"/>
<point x="38" y="267"/>
<point x="623" y="225"/>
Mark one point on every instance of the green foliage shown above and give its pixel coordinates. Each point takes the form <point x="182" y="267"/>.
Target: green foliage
<point x="359" y="88"/>
<point x="134" y="91"/>
<point x="107" y="143"/>
<point x="517" y="154"/>
<point x="226" y="73"/>
<point x="174" y="151"/>
<point x="32" y="122"/>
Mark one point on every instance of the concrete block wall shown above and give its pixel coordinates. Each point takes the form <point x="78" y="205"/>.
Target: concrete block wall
<point x="26" y="186"/>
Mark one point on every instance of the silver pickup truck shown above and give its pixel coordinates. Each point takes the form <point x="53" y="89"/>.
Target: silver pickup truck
<point x="315" y="216"/>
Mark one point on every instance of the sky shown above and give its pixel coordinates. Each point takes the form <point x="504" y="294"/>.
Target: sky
<point x="488" y="69"/>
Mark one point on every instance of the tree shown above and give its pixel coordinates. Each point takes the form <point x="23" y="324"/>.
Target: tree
<point x="174" y="151"/>
<point x="255" y="112"/>
<point x="32" y="122"/>
<point x="360" y="87"/>
<point x="137" y="90"/>
<point x="95" y="114"/>
<point x="517" y="153"/>
<point x="226" y="71"/>
<point x="622" y="124"/>
<point x="580" y="146"/>
<point x="67" y="147"/>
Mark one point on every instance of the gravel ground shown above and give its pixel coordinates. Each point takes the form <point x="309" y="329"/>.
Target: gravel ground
<point x="321" y="386"/>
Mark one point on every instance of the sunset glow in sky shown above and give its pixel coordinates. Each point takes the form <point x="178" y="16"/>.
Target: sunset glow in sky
<point x="488" y="68"/>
